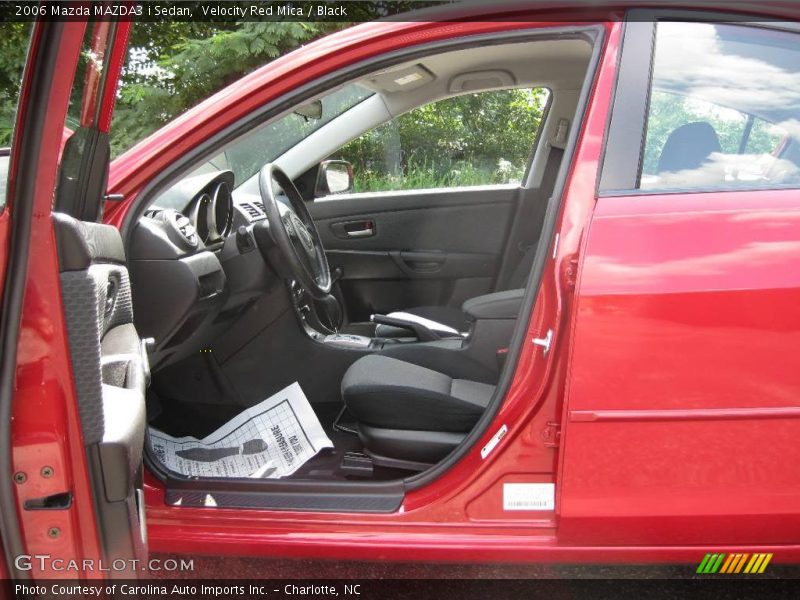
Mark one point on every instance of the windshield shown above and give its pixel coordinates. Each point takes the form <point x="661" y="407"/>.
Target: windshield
<point x="264" y="144"/>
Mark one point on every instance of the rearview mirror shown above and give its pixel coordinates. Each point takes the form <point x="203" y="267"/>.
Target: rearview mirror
<point x="334" y="177"/>
<point x="312" y="110"/>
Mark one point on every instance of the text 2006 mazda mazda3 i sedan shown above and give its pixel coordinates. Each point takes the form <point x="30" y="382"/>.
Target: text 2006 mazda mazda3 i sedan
<point x="224" y="343"/>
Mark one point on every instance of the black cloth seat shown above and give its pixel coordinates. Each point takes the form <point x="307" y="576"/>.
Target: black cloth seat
<point x="428" y="411"/>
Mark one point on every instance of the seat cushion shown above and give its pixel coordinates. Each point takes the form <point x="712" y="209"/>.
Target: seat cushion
<point x="390" y="393"/>
<point x="445" y="320"/>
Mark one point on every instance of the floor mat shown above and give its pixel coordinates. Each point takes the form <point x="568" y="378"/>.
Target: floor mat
<point x="270" y="440"/>
<point x="198" y="420"/>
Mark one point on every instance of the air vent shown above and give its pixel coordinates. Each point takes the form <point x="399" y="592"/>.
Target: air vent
<point x="260" y="206"/>
<point x="251" y="210"/>
<point x="186" y="229"/>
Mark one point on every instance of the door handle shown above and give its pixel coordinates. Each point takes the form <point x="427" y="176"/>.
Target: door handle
<point x="354" y="229"/>
<point x="367" y="231"/>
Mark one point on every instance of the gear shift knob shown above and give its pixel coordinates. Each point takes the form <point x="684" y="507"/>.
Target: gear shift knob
<point x="332" y="311"/>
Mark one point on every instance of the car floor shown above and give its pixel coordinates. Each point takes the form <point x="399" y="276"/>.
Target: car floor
<point x="198" y="420"/>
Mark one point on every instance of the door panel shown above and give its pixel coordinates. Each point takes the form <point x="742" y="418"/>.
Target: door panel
<point x="683" y="413"/>
<point x="110" y="371"/>
<point x="395" y="250"/>
<point x="109" y="361"/>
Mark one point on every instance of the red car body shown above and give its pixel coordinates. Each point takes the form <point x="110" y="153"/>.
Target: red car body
<point x="669" y="398"/>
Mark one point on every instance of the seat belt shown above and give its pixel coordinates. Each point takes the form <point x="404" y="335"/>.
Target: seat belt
<point x="548" y="185"/>
<point x="531" y="217"/>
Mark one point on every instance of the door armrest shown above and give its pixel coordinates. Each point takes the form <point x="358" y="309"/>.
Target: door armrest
<point x="500" y="305"/>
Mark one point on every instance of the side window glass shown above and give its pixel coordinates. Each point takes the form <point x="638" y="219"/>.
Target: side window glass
<point x="475" y="139"/>
<point x="724" y="108"/>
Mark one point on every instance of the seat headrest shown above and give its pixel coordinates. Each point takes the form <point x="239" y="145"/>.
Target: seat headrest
<point x="688" y="147"/>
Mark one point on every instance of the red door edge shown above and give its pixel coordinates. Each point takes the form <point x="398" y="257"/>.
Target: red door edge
<point x="40" y="420"/>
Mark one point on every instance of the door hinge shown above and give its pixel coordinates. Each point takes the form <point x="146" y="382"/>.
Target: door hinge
<point x="551" y="434"/>
<point x="544" y="342"/>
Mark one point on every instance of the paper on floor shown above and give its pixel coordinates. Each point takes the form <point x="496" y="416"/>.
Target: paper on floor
<point x="270" y="440"/>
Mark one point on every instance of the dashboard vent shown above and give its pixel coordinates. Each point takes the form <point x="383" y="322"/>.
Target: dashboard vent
<point x="252" y="209"/>
<point x="186" y="229"/>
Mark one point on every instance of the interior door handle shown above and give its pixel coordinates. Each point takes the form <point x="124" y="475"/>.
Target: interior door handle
<point x="354" y="229"/>
<point x="367" y="231"/>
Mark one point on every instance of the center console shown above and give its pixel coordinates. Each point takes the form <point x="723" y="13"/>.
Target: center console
<point x="492" y="319"/>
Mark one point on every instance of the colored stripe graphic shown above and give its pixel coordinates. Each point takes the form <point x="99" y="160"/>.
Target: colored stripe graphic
<point x="741" y="562"/>
<point x="767" y="558"/>
<point x="753" y="564"/>
<point x="711" y="563"/>
<point x="726" y="567"/>
<point x="702" y="566"/>
<point x="737" y="562"/>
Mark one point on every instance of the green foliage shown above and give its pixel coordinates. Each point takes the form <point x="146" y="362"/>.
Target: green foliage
<point x="13" y="49"/>
<point x="173" y="66"/>
<point x="426" y="176"/>
<point x="467" y="140"/>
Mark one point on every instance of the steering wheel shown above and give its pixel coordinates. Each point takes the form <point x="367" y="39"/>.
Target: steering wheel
<point x="292" y="230"/>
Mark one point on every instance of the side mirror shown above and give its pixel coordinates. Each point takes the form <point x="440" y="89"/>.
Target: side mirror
<point x="334" y="177"/>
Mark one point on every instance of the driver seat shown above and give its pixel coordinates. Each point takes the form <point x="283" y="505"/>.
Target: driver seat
<point x="411" y="416"/>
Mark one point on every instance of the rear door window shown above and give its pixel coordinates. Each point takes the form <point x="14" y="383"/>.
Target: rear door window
<point x="724" y="108"/>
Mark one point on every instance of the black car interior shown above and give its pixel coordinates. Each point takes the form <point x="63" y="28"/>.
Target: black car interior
<point x="394" y="395"/>
<point x="394" y="312"/>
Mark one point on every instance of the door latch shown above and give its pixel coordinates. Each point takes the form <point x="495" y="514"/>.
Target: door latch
<point x="544" y="342"/>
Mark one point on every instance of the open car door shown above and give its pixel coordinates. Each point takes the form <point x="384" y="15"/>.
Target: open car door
<point x="74" y="371"/>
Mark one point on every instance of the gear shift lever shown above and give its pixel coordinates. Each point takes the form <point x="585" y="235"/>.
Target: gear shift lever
<point x="332" y="311"/>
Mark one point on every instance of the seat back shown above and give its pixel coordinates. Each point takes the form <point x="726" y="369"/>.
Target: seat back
<point x="688" y="147"/>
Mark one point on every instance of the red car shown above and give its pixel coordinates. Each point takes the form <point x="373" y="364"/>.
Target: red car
<point x="591" y="358"/>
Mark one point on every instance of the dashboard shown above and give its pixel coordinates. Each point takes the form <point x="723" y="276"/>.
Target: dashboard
<point x="202" y="205"/>
<point x="190" y="275"/>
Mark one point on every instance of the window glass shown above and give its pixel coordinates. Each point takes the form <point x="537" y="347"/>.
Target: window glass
<point x="474" y="139"/>
<point x="724" y="108"/>
<point x="264" y="144"/>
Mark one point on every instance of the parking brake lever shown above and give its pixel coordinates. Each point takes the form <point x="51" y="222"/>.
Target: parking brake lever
<point x="423" y="333"/>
